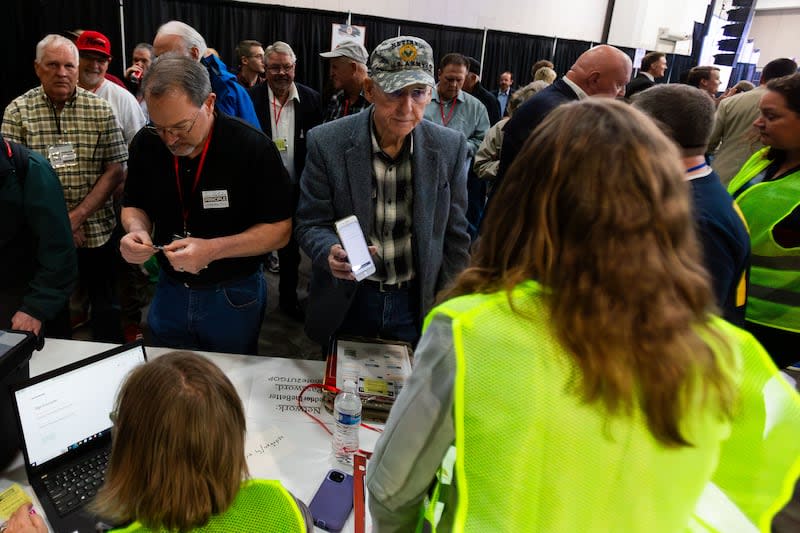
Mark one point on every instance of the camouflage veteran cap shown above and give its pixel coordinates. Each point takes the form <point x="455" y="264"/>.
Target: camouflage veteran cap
<point x="400" y="62"/>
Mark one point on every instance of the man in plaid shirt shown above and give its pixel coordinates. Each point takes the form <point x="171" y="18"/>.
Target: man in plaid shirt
<point x="79" y="135"/>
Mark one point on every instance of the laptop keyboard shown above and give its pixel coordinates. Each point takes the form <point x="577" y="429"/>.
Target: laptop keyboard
<point x="75" y="486"/>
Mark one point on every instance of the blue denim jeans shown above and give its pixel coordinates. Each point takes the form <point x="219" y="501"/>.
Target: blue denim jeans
<point x="226" y="317"/>
<point x="387" y="315"/>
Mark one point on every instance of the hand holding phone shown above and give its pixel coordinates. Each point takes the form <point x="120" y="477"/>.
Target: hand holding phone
<point x="355" y="245"/>
<point x="333" y="501"/>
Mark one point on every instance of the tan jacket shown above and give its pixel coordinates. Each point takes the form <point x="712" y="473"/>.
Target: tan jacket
<point x="734" y="139"/>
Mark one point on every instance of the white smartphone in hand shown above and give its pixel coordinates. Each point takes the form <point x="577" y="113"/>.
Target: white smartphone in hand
<point x="355" y="245"/>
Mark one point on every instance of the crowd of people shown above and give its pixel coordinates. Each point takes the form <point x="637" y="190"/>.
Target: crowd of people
<point x="597" y="295"/>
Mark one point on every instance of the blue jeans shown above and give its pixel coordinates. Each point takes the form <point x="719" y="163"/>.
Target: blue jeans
<point x="387" y="315"/>
<point x="225" y="317"/>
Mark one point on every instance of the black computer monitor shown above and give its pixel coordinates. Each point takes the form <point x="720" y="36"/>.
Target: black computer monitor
<point x="15" y="354"/>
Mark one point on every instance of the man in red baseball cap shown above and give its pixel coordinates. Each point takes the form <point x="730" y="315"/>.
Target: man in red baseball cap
<point x="95" y="54"/>
<point x="93" y="39"/>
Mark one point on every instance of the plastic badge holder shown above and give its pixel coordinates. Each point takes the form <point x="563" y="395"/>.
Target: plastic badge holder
<point x="16" y="348"/>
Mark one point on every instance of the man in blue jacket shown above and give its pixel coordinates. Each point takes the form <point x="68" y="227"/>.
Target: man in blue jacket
<point x="232" y="99"/>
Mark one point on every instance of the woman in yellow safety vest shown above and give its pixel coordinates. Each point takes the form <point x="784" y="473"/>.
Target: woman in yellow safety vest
<point x="576" y="378"/>
<point x="767" y="189"/>
<point x="177" y="460"/>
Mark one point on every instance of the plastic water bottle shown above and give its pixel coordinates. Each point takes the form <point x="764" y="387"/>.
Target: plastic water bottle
<point x="347" y="414"/>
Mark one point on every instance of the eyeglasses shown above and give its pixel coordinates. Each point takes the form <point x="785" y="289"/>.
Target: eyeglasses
<point x="277" y="69"/>
<point x="417" y="94"/>
<point x="183" y="128"/>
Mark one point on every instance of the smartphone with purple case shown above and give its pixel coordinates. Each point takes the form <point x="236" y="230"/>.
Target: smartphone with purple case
<point x="333" y="501"/>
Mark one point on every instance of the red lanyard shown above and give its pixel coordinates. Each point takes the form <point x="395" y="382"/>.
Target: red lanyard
<point x="184" y="207"/>
<point x="445" y="121"/>
<point x="346" y="105"/>
<point x="276" y="112"/>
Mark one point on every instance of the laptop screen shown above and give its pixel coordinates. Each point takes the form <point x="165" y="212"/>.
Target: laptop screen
<point x="72" y="408"/>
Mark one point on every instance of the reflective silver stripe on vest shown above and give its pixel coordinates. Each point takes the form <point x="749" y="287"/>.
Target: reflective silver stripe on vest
<point x="778" y="296"/>
<point x="784" y="262"/>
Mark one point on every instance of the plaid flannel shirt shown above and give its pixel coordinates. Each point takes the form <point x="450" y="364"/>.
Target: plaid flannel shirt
<point x="391" y="230"/>
<point x="87" y="122"/>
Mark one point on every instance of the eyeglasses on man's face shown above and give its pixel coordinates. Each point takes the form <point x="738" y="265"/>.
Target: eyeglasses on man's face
<point x="182" y="128"/>
<point x="277" y="69"/>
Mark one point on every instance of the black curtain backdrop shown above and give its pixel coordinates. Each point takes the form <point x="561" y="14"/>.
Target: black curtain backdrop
<point x="25" y="23"/>
<point x="630" y="52"/>
<point x="445" y="39"/>
<point x="515" y="52"/>
<point x="567" y="51"/>
<point x="225" y="23"/>
<point x="742" y="71"/>
<point x="677" y="64"/>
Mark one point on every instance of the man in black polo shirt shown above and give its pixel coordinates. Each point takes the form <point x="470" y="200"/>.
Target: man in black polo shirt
<point x="209" y="194"/>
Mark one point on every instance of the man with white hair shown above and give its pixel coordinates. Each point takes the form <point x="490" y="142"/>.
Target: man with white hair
<point x="78" y="133"/>
<point x="232" y="99"/>
<point x="287" y="110"/>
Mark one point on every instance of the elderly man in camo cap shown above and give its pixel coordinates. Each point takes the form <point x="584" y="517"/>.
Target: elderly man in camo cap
<point x="405" y="180"/>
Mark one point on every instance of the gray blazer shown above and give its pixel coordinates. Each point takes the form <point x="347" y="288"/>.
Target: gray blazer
<point x="338" y="181"/>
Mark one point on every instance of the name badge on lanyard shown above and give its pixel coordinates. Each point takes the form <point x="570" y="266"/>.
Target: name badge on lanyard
<point x="282" y="144"/>
<point x="62" y="155"/>
<point x="215" y="199"/>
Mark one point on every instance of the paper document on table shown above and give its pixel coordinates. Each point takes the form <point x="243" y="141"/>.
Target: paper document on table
<point x="377" y="369"/>
<point x="262" y="449"/>
<point x="273" y="395"/>
<point x="10" y="500"/>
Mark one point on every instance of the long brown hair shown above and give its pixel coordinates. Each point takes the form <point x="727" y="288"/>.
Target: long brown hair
<point x="178" y="451"/>
<point x="596" y="209"/>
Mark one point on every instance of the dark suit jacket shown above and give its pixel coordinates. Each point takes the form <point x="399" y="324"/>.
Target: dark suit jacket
<point x="489" y="102"/>
<point x="338" y="182"/>
<point x="526" y="118"/>
<point x="496" y="94"/>
<point x="638" y="84"/>
<point x="307" y="114"/>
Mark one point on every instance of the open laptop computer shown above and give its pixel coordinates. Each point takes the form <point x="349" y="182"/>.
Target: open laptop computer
<point x="65" y="425"/>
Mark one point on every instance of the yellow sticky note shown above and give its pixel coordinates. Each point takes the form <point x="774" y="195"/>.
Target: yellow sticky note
<point x="11" y="499"/>
<point x="375" y="386"/>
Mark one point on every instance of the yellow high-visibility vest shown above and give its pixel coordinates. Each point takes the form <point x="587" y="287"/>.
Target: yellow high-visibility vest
<point x="530" y="455"/>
